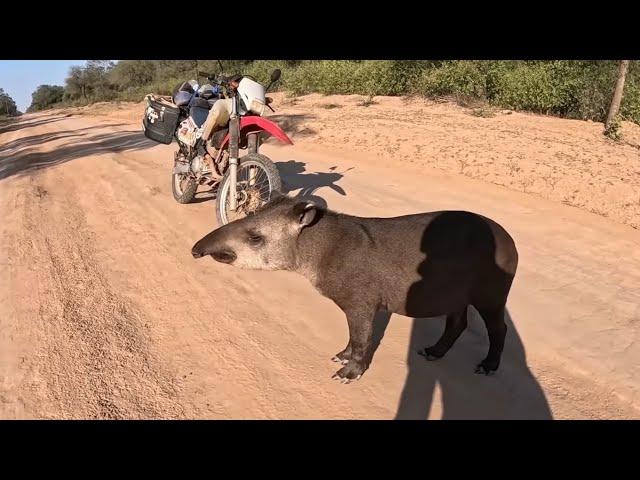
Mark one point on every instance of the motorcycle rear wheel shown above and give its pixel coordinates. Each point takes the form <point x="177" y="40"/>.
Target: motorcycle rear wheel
<point x="183" y="187"/>
<point x="257" y="178"/>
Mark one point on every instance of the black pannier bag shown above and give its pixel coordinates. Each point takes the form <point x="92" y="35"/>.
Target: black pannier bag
<point x="160" y="119"/>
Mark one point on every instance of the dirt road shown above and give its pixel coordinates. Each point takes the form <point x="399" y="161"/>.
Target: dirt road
<point x="105" y="314"/>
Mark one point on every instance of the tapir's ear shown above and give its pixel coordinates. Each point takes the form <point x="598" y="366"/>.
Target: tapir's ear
<point x="305" y="213"/>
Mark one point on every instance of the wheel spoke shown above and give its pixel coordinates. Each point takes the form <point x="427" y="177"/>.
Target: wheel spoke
<point x="253" y="187"/>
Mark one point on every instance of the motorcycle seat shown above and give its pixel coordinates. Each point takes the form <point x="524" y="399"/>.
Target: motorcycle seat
<point x="200" y="102"/>
<point x="218" y="136"/>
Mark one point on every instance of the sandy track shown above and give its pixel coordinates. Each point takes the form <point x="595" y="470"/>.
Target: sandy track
<point x="104" y="314"/>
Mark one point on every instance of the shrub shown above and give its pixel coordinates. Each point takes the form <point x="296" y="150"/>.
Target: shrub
<point x="573" y="89"/>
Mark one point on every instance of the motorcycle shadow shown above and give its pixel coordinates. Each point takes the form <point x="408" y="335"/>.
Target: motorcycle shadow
<point x="295" y="177"/>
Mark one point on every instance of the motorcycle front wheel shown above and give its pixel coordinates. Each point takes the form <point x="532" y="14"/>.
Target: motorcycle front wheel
<point x="257" y="178"/>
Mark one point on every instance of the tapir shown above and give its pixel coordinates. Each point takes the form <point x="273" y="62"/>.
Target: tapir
<point x="421" y="265"/>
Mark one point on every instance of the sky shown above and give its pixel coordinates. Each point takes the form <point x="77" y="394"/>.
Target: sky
<point x="20" y="78"/>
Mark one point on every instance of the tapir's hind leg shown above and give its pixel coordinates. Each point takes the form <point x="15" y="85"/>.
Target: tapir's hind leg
<point x="497" y="330"/>
<point x="456" y="323"/>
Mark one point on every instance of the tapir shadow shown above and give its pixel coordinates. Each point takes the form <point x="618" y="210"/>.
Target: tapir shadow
<point x="511" y="393"/>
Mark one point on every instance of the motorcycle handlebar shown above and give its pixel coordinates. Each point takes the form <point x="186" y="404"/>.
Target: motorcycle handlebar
<point x="222" y="80"/>
<point x="218" y="79"/>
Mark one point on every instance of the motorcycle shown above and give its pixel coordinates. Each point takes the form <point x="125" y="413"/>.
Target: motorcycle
<point x="242" y="184"/>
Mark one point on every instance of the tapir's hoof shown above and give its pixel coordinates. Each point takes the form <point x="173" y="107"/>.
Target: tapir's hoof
<point x="338" y="360"/>
<point x="349" y="373"/>
<point x="345" y="380"/>
<point x="483" y="369"/>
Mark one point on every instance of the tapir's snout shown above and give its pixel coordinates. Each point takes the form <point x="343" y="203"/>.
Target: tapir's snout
<point x="205" y="246"/>
<point x="197" y="251"/>
<point x="213" y="245"/>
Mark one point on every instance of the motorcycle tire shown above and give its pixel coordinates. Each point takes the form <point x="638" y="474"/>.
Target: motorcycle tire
<point x="253" y="196"/>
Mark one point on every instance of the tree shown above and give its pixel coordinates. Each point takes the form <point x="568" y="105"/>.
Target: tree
<point x="76" y="83"/>
<point x="45" y="96"/>
<point x="175" y="69"/>
<point x="133" y="73"/>
<point x="97" y="75"/>
<point x="611" y="125"/>
<point x="7" y="105"/>
<point x="90" y="82"/>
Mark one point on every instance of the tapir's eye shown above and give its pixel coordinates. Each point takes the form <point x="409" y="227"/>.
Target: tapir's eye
<point x="255" y="238"/>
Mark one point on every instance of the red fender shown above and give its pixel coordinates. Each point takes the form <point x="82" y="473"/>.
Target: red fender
<point x="256" y="124"/>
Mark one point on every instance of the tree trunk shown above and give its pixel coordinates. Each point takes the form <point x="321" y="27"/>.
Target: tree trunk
<point x="617" y="94"/>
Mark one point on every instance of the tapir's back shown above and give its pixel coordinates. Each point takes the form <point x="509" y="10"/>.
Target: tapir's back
<point x="432" y="262"/>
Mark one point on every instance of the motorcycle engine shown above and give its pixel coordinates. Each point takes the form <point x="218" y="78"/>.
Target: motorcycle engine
<point x="196" y="165"/>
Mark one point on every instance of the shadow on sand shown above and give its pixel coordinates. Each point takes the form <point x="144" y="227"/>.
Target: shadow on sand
<point x="511" y="393"/>
<point x="18" y="123"/>
<point x="28" y="160"/>
<point x="295" y="177"/>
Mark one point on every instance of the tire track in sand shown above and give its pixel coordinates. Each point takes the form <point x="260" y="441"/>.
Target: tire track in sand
<point x="96" y="357"/>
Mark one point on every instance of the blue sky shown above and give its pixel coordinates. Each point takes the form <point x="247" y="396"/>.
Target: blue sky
<point x="19" y="78"/>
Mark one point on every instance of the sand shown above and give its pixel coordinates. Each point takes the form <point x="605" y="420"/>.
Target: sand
<point x="105" y="314"/>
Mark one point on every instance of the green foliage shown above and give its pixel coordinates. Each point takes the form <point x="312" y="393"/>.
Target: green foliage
<point x="573" y="89"/>
<point x="566" y="88"/>
<point x="7" y="105"/>
<point x="261" y="71"/>
<point x="132" y="73"/>
<point x="366" y="77"/>
<point x="90" y="83"/>
<point x="533" y="87"/>
<point x="456" y="78"/>
<point x="45" y="96"/>
<point x="613" y="130"/>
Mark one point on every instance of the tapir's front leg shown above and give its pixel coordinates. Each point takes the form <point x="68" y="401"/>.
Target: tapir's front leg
<point x="344" y="356"/>
<point x="360" y="320"/>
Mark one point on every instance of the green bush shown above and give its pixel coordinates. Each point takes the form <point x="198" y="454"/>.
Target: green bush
<point x="261" y="70"/>
<point x="573" y="89"/>
<point x="366" y="77"/>
<point x="132" y="73"/>
<point x="533" y="87"/>
<point x="630" y="108"/>
<point x="457" y="78"/>
<point x="45" y="96"/>
<point x="324" y="76"/>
